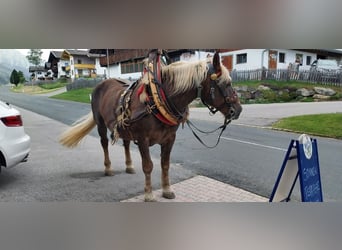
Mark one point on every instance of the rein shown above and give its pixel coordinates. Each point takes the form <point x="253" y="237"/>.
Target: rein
<point x="222" y="127"/>
<point x="213" y="84"/>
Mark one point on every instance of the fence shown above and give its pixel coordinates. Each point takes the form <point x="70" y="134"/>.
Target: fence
<point x="329" y="78"/>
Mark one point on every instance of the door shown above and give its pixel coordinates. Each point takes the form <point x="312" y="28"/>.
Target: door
<point x="228" y="62"/>
<point x="272" y="59"/>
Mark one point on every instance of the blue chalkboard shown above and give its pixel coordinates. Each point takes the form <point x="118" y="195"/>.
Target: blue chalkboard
<point x="309" y="173"/>
<point x="301" y="160"/>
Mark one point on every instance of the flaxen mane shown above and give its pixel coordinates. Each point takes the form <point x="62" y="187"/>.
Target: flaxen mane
<point x="186" y="75"/>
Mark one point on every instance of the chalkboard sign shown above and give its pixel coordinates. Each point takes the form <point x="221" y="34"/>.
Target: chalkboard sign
<point x="309" y="174"/>
<point x="300" y="160"/>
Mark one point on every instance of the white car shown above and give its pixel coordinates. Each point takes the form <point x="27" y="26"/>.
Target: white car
<point x="14" y="142"/>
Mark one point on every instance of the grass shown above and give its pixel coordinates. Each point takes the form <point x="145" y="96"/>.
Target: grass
<point x="53" y="86"/>
<point x="37" y="89"/>
<point x="327" y="125"/>
<point x="29" y="89"/>
<point x="76" y="95"/>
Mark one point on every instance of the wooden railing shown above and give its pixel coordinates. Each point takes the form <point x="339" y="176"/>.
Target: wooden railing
<point x="328" y="78"/>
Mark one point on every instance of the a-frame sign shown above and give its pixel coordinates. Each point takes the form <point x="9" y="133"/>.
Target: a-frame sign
<point x="301" y="160"/>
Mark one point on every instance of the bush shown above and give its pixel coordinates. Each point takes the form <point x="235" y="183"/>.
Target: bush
<point x="284" y="96"/>
<point x="336" y="97"/>
<point x="269" y="95"/>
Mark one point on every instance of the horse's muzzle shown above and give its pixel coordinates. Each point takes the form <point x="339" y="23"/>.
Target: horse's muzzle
<point x="235" y="112"/>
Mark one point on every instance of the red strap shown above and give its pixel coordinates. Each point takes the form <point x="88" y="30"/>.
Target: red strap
<point x="159" y="116"/>
<point x="140" y="89"/>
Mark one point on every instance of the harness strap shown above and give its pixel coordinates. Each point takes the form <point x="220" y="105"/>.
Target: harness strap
<point x="156" y="102"/>
<point x="123" y="112"/>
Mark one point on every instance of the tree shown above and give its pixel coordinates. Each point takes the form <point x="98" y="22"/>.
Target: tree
<point x="21" y="77"/>
<point x="14" y="78"/>
<point x="34" y="56"/>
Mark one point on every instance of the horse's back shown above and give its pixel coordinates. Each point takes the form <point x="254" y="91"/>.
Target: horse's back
<point x="105" y="98"/>
<point x="107" y="90"/>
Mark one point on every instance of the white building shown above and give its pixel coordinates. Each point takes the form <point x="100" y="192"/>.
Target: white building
<point x="75" y="63"/>
<point x="127" y="63"/>
<point x="251" y="59"/>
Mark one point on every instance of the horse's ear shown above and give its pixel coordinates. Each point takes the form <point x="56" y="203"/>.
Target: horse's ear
<point x="217" y="63"/>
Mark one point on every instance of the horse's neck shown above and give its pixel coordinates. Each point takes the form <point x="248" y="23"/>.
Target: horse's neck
<point x="182" y="100"/>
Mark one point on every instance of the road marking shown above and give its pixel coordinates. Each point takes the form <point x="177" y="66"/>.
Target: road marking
<point x="253" y="143"/>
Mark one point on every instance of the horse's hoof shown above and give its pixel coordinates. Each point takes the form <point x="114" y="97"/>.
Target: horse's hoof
<point x="109" y="173"/>
<point x="149" y="198"/>
<point x="130" y="170"/>
<point x="169" y="195"/>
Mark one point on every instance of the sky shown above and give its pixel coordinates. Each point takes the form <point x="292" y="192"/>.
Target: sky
<point x="45" y="55"/>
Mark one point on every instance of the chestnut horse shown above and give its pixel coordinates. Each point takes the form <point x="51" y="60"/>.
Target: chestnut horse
<point x="181" y="83"/>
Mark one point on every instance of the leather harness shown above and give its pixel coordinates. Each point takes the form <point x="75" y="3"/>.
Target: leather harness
<point x="156" y="101"/>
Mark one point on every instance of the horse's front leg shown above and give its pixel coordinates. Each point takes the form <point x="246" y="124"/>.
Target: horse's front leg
<point x="147" y="166"/>
<point x="129" y="166"/>
<point x="165" y="164"/>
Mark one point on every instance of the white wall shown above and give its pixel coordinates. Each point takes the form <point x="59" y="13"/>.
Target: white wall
<point x="254" y="58"/>
<point x="198" y="55"/>
<point x="115" y="69"/>
<point x="258" y="58"/>
<point x="62" y="63"/>
<point x="100" y="71"/>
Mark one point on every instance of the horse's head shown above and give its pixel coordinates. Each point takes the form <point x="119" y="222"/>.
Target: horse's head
<point x="217" y="90"/>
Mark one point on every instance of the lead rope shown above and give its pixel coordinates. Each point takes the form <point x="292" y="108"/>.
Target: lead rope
<point x="222" y="127"/>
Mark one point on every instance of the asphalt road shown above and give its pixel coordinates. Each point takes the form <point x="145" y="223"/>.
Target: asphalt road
<point x="248" y="156"/>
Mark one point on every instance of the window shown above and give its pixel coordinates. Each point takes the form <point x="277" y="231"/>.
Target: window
<point x="308" y="60"/>
<point x="299" y="59"/>
<point x="131" y="67"/>
<point x="79" y="61"/>
<point x="282" y="57"/>
<point x="241" y="58"/>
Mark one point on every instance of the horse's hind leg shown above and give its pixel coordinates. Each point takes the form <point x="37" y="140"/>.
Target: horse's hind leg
<point x="102" y="129"/>
<point x="165" y="164"/>
<point x="129" y="166"/>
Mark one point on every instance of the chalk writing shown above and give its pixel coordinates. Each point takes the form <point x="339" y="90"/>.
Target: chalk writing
<point x="312" y="190"/>
<point x="309" y="172"/>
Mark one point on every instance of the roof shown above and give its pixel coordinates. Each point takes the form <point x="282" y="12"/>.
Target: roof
<point x="57" y="54"/>
<point x="101" y="52"/>
<point x="325" y="52"/>
<point x="54" y="54"/>
<point x="36" y="68"/>
<point x="124" y="55"/>
<point x="77" y="52"/>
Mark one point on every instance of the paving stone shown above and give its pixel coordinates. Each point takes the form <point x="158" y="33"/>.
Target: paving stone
<point x="204" y="189"/>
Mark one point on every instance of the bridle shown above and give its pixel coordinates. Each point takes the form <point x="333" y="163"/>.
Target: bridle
<point x="228" y="100"/>
<point x="215" y="83"/>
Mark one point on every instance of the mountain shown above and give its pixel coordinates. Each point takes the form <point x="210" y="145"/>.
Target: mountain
<point x="12" y="59"/>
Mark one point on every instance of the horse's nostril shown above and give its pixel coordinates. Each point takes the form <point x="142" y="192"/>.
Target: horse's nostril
<point x="232" y="113"/>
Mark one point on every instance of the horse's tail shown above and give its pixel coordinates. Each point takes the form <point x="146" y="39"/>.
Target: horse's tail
<point x="71" y="137"/>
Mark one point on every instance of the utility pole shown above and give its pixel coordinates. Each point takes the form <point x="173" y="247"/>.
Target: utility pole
<point x="108" y="64"/>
